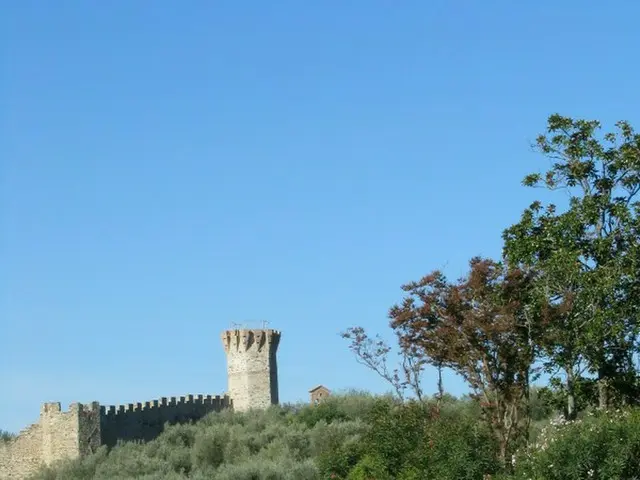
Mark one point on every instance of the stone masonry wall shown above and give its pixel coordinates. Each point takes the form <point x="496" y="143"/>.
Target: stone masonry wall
<point x="89" y="434"/>
<point x="57" y="436"/>
<point x="59" y="433"/>
<point x="22" y="455"/>
<point x="145" y="421"/>
<point x="252" y="369"/>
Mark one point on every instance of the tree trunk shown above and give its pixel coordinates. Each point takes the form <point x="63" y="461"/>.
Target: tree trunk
<point x="527" y="410"/>
<point x="570" y="413"/>
<point x="502" y="453"/>
<point x="603" y="391"/>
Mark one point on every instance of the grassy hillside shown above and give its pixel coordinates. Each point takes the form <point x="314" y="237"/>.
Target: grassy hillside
<point x="296" y="442"/>
<point x="360" y="436"/>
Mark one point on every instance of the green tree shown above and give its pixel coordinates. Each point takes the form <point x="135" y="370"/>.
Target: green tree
<point x="587" y="258"/>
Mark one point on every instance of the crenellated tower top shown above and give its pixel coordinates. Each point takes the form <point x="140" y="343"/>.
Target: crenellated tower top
<point x="238" y="340"/>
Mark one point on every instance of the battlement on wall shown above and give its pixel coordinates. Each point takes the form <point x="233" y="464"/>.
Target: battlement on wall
<point x="167" y="402"/>
<point x="241" y="340"/>
<point x="146" y="420"/>
<point x="50" y="408"/>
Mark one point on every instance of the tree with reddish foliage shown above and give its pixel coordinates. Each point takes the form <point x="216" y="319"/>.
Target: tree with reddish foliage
<point x="483" y="327"/>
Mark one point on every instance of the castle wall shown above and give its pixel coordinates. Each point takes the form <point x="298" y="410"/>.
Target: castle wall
<point x="22" y="455"/>
<point x="253" y="383"/>
<point x="57" y="436"/>
<point x="89" y="434"/>
<point x="59" y="433"/>
<point x="252" y="368"/>
<point x="145" y="421"/>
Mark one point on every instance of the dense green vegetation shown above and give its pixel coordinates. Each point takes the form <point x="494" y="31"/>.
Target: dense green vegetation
<point x="360" y="437"/>
<point x="562" y="301"/>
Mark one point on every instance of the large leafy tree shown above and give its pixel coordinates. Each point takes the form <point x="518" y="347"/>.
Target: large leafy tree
<point x="587" y="257"/>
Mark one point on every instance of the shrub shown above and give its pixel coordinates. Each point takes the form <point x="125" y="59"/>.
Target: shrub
<point x="346" y="407"/>
<point x="418" y="441"/>
<point x="208" y="449"/>
<point x="369" y="467"/>
<point x="266" y="470"/>
<point x="601" y="445"/>
<point x="337" y="447"/>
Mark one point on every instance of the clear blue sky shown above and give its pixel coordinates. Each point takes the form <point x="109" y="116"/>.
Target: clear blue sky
<point x="171" y="167"/>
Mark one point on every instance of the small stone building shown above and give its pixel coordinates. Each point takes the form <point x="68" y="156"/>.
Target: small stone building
<point x="318" y="394"/>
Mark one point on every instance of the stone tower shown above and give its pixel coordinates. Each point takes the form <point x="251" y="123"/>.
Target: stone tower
<point x="252" y="370"/>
